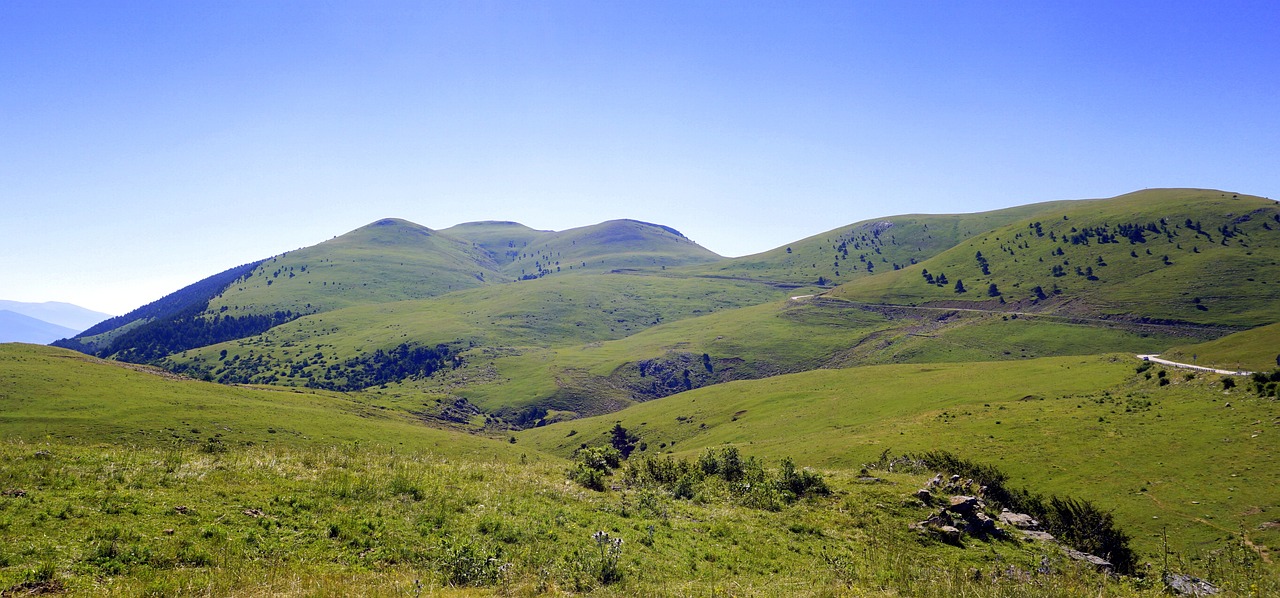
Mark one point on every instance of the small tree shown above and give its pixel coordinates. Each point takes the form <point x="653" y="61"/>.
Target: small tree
<point x="960" y="286"/>
<point x="992" y="291"/>
<point x="622" y="440"/>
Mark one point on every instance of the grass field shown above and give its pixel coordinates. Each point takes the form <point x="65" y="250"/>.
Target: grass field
<point x="365" y="504"/>
<point x="1256" y="350"/>
<point x="1173" y="457"/>
<point x="55" y="395"/>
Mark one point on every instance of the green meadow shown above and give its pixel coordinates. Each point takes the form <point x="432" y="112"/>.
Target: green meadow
<point x="1252" y="350"/>
<point x="392" y="511"/>
<point x="1183" y="458"/>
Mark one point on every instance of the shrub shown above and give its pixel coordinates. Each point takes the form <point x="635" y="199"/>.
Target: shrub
<point x="592" y="465"/>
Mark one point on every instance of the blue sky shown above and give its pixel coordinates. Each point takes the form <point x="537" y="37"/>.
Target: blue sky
<point x="146" y="145"/>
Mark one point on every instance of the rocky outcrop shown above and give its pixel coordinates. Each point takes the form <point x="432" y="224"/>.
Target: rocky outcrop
<point x="965" y="514"/>
<point x="1186" y="585"/>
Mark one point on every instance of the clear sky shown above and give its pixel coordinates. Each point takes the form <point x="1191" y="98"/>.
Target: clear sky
<point x="146" y="145"/>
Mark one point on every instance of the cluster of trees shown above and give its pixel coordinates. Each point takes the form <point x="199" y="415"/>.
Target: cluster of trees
<point x="155" y="340"/>
<point x="404" y="362"/>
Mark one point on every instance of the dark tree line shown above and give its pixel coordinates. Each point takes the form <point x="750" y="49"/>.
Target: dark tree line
<point x="382" y="367"/>
<point x="187" y="330"/>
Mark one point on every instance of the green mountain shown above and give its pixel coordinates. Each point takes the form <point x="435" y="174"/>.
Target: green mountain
<point x="522" y="252"/>
<point x="1197" y="256"/>
<point x="387" y="261"/>
<point x="569" y="346"/>
<point x="869" y="247"/>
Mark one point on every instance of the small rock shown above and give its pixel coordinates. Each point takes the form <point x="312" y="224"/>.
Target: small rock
<point x="168" y="532"/>
<point x="949" y="534"/>
<point x="938" y="519"/>
<point x="979" y="524"/>
<point x="925" y="496"/>
<point x="1032" y="535"/>
<point x="1186" y="585"/>
<point x="182" y="509"/>
<point x="254" y="513"/>
<point x="965" y="504"/>
<point x="14" y="492"/>
<point x="1097" y="561"/>
<point x="1019" y="520"/>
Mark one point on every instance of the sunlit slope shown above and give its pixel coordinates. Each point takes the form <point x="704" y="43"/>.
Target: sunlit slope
<point x="1192" y="255"/>
<point x="1256" y="350"/>
<point x="370" y="521"/>
<point x="548" y="312"/>
<point x="1175" y="455"/>
<point x="388" y="260"/>
<point x="50" y="393"/>
<point x="617" y="244"/>
<point x="766" y="340"/>
<point x="869" y="247"/>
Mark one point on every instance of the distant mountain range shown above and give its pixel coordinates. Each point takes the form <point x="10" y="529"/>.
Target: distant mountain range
<point x="43" y="323"/>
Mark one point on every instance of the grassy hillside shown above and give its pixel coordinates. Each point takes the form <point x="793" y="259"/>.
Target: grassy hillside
<point x="1255" y="350"/>
<point x="388" y="260"/>
<point x="1201" y="256"/>
<point x="869" y="247"/>
<point x="549" y="312"/>
<point x="760" y="341"/>
<point x="522" y="252"/>
<point x="50" y="394"/>
<point x="1182" y="456"/>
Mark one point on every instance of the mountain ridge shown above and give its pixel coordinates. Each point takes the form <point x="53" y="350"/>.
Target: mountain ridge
<point x="21" y="328"/>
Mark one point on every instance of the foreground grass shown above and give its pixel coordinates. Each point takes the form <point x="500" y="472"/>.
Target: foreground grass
<point x="348" y="520"/>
